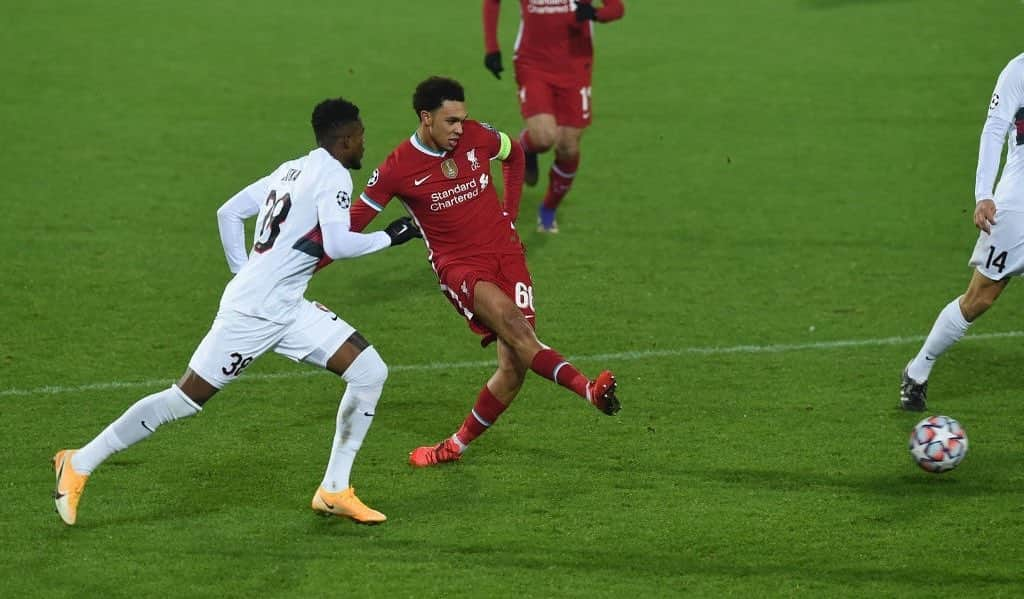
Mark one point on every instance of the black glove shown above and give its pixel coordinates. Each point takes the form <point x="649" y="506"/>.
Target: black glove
<point x="402" y="230"/>
<point x="585" y="12"/>
<point x="492" y="62"/>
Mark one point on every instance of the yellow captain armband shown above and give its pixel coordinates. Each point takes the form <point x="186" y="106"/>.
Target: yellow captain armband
<point x="505" y="148"/>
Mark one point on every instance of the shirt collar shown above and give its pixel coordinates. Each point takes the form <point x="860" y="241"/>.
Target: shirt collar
<point x="419" y="145"/>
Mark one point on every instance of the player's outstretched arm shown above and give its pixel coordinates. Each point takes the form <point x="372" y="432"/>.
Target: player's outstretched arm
<point x="339" y="242"/>
<point x="492" y="51"/>
<point x="231" y="222"/>
<point x="401" y="230"/>
<point x="361" y="215"/>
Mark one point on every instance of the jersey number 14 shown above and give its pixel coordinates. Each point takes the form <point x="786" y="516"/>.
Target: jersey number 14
<point x="997" y="260"/>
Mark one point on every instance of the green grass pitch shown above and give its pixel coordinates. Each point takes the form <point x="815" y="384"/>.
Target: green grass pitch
<point x="773" y="205"/>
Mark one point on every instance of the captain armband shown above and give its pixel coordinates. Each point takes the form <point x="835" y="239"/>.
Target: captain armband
<point x="505" y="147"/>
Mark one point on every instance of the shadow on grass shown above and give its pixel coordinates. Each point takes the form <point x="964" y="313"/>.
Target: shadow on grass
<point x="662" y="563"/>
<point x="916" y="485"/>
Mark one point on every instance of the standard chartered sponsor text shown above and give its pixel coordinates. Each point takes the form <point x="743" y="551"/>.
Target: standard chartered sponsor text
<point x="454" y="196"/>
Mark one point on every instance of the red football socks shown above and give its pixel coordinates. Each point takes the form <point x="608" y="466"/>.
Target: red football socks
<point x="551" y="365"/>
<point x="484" y="413"/>
<point x="560" y="180"/>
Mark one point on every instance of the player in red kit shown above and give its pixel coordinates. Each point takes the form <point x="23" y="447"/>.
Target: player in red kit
<point x="442" y="174"/>
<point x="554" y="56"/>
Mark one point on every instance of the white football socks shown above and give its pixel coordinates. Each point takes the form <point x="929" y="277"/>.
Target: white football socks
<point x="949" y="327"/>
<point x="365" y="378"/>
<point x="138" y="422"/>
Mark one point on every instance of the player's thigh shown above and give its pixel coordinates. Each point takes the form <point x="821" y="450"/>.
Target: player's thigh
<point x="515" y="280"/>
<point x="460" y="282"/>
<point x="543" y="131"/>
<point x="506" y="303"/>
<point x="232" y="343"/>
<point x="1000" y="254"/>
<point x="573" y="104"/>
<point x="315" y="336"/>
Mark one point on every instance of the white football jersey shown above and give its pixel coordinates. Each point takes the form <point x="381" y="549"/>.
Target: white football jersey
<point x="288" y="244"/>
<point x="1007" y="105"/>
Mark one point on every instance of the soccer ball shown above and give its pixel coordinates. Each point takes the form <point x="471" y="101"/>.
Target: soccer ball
<point x="938" y="443"/>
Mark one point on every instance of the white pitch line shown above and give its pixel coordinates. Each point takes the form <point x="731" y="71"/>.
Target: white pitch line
<point x="626" y="355"/>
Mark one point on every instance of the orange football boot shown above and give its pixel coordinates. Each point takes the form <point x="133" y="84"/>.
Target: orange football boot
<point x="345" y="504"/>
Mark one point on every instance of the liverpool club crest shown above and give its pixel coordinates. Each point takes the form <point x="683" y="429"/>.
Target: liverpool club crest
<point x="449" y="169"/>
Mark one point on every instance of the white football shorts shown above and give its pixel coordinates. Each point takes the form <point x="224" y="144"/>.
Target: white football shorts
<point x="1000" y="254"/>
<point x="236" y="339"/>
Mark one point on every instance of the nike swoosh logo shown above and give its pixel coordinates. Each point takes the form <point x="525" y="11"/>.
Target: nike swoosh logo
<point x="56" y="492"/>
<point x="418" y="182"/>
<point x="152" y="430"/>
<point x="929" y="359"/>
<point x="370" y="414"/>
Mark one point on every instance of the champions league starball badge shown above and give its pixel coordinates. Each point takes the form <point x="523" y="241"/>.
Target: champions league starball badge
<point x="343" y="199"/>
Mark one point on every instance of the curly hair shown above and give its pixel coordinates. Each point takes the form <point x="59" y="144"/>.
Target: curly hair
<point x="330" y="116"/>
<point x="431" y="93"/>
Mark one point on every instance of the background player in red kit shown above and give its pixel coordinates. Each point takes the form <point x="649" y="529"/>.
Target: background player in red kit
<point x="442" y="175"/>
<point x="554" y="56"/>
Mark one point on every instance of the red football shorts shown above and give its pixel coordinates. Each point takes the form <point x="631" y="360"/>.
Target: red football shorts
<point x="568" y="98"/>
<point x="508" y="271"/>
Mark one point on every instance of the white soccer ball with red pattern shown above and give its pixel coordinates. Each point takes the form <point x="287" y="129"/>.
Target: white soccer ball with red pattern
<point x="938" y="443"/>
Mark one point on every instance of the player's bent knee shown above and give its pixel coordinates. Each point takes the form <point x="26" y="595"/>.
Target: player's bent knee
<point x="517" y="328"/>
<point x="542" y="139"/>
<point x="183" y="408"/>
<point x="161" y="408"/>
<point x="974" y="307"/>
<point x="367" y="370"/>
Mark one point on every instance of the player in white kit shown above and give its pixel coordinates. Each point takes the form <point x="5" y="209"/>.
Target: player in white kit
<point x="999" y="252"/>
<point x="302" y="225"/>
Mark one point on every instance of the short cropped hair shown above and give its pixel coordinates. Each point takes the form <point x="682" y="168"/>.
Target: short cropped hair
<point x="431" y="93"/>
<point x="330" y="116"/>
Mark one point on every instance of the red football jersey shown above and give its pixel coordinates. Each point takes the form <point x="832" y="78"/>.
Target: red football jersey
<point x="550" y="38"/>
<point x="450" y="194"/>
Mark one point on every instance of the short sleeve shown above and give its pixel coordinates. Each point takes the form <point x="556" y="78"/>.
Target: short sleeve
<point x="497" y="143"/>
